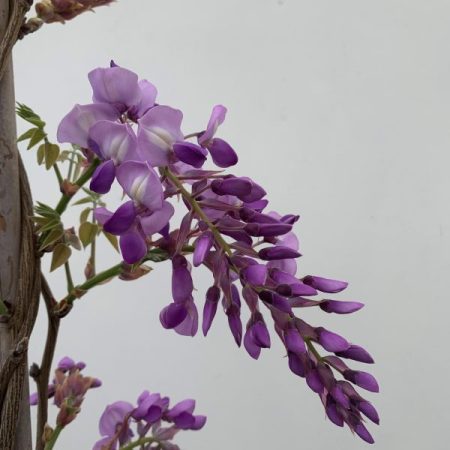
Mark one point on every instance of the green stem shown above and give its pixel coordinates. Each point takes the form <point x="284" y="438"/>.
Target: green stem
<point x="68" y="277"/>
<point x="54" y="437"/>
<point x="58" y="173"/>
<point x="94" y="241"/>
<point x="196" y="207"/>
<point x="139" y="442"/>
<point x="85" y="176"/>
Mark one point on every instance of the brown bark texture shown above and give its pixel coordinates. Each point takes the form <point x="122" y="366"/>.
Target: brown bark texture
<point x="19" y="262"/>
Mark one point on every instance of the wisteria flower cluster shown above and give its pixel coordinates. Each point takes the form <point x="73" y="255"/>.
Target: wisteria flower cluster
<point x="68" y="389"/>
<point x="154" y="421"/>
<point x="250" y="250"/>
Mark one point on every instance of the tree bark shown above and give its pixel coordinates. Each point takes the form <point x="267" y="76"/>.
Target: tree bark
<point x="19" y="269"/>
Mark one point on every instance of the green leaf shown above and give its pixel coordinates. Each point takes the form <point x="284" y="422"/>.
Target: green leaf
<point x="40" y="154"/>
<point x="51" y="238"/>
<point x="51" y="154"/>
<point x="50" y="225"/>
<point x="37" y="137"/>
<point x="26" y="113"/>
<point x="87" y="233"/>
<point x="44" y="210"/>
<point x="112" y="240"/>
<point x="82" y="201"/>
<point x="84" y="214"/>
<point x="26" y="135"/>
<point x="61" y="254"/>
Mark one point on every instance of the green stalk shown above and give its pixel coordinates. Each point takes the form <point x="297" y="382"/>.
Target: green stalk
<point x="139" y="442"/>
<point x="85" y="176"/>
<point x="54" y="437"/>
<point x="196" y="207"/>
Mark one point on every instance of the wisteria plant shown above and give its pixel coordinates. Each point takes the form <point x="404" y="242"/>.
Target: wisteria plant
<point x="129" y="137"/>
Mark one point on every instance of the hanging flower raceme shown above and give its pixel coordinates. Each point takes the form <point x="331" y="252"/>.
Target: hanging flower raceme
<point x="68" y="389"/>
<point x="151" y="423"/>
<point x="250" y="251"/>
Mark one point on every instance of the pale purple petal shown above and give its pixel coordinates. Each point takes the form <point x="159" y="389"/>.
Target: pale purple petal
<point x="158" y="130"/>
<point x="121" y="220"/>
<point x="217" y="117"/>
<point x="332" y="341"/>
<point x="189" y="326"/>
<point x="340" y="307"/>
<point x="116" y="86"/>
<point x="148" y="97"/>
<point x="172" y="315"/>
<point x="113" y="415"/>
<point x="202" y="247"/>
<point x="222" y="153"/>
<point x="325" y="284"/>
<point x="356" y="353"/>
<point x="157" y="220"/>
<point x="140" y="181"/>
<point x="74" y="127"/>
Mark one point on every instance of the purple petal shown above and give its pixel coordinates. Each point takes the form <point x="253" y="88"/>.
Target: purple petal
<point x="277" y="252"/>
<point x="256" y="193"/>
<point x="222" y="153"/>
<point x="121" y="220"/>
<point x="172" y="315"/>
<point x="217" y="117"/>
<point x="235" y="324"/>
<point x="260" y="334"/>
<point x="157" y="220"/>
<point x="339" y="396"/>
<point x="267" y="229"/>
<point x="189" y="153"/>
<point x="332" y="341"/>
<point x="252" y="349"/>
<point x="356" y="353"/>
<point x="103" y="177"/>
<point x="133" y="247"/>
<point x="158" y="130"/>
<point x="199" y="422"/>
<point x="364" y="434"/>
<point x="66" y="364"/>
<point x="325" y="284"/>
<point x="189" y="326"/>
<point x="369" y="411"/>
<point x="314" y="382"/>
<point x="114" y="415"/>
<point x="232" y="186"/>
<point x="102" y="215"/>
<point x="184" y="406"/>
<point x="255" y="274"/>
<point x="182" y="285"/>
<point x="34" y="399"/>
<point x="294" y="342"/>
<point x="140" y="181"/>
<point x="210" y="308"/>
<point x="202" y="247"/>
<point x="296" y="364"/>
<point x="334" y="415"/>
<point x="340" y="307"/>
<point x="148" y="97"/>
<point x="115" y="141"/>
<point x="74" y="127"/>
<point x="116" y="86"/>
<point x="362" y="379"/>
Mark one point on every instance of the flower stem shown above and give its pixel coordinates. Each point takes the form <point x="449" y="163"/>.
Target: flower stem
<point x="312" y="349"/>
<point x="196" y="207"/>
<point x="139" y="442"/>
<point x="68" y="276"/>
<point x="54" y="437"/>
<point x="85" y="176"/>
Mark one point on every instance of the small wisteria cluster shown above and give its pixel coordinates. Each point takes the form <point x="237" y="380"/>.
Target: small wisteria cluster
<point x="68" y="389"/>
<point x="250" y="250"/>
<point x="155" y="423"/>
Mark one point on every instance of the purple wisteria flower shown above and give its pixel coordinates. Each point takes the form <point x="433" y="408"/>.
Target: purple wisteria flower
<point x="150" y="421"/>
<point x="250" y="250"/>
<point x="68" y="389"/>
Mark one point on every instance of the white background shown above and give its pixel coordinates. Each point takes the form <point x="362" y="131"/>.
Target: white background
<point x="341" y="109"/>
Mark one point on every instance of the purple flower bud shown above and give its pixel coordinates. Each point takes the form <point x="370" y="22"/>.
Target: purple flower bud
<point x="222" y="153"/>
<point x="235" y="324"/>
<point x="250" y="215"/>
<point x="190" y="153"/>
<point x="364" y="434"/>
<point x="267" y="229"/>
<point x="294" y="342"/>
<point x="339" y="396"/>
<point x="277" y="252"/>
<point x="210" y="308"/>
<point x="333" y="414"/>
<point x="296" y="364"/>
<point x="172" y="315"/>
<point x="132" y="246"/>
<point x="356" y="353"/>
<point x="232" y="186"/>
<point x="369" y="411"/>
<point x="256" y="193"/>
<point x="255" y="274"/>
<point x="340" y="307"/>
<point x="332" y="341"/>
<point x="362" y="379"/>
<point x="66" y="364"/>
<point x="324" y="284"/>
<point x="202" y="247"/>
<point x="314" y="382"/>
